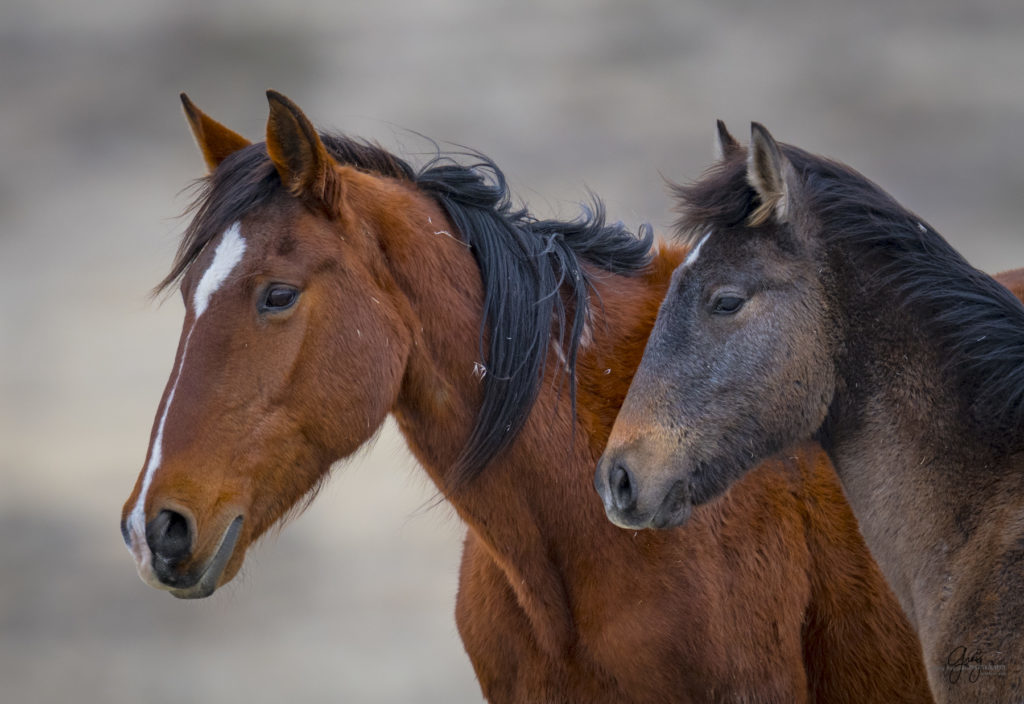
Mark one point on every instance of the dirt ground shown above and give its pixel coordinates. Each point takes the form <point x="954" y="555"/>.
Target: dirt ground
<point x="353" y="601"/>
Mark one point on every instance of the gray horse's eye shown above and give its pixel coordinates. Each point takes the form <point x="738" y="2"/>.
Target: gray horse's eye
<point x="727" y="305"/>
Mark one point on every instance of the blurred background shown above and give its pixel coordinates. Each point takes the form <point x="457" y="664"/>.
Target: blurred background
<point x="353" y="601"/>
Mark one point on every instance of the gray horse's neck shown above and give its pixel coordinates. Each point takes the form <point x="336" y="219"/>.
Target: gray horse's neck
<point x="926" y="486"/>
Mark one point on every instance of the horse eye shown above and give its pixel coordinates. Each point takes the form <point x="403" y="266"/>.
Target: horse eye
<point x="278" y="298"/>
<point x="727" y="305"/>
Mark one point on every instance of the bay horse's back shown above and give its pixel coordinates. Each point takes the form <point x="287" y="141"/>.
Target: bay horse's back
<point x="1013" y="280"/>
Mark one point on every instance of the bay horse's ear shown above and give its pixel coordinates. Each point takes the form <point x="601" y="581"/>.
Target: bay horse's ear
<point x="770" y="173"/>
<point x="215" y="140"/>
<point x="301" y="160"/>
<point x="727" y="144"/>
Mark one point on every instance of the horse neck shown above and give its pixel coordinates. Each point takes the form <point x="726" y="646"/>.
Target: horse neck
<point x="885" y="367"/>
<point x="624" y="314"/>
<point x="439" y="292"/>
<point x="898" y="435"/>
<point x="442" y="386"/>
<point x="894" y="376"/>
<point x="535" y="498"/>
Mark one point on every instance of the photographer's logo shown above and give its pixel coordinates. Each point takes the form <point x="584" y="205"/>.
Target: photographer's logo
<point x="967" y="665"/>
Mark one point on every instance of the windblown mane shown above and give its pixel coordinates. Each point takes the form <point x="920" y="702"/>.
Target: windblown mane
<point x="978" y="322"/>
<point x="533" y="271"/>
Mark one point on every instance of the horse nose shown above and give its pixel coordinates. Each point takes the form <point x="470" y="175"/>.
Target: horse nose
<point x="169" y="536"/>
<point x="622" y="487"/>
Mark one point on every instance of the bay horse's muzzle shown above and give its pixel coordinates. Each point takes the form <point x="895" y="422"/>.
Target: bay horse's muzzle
<point x="171" y="539"/>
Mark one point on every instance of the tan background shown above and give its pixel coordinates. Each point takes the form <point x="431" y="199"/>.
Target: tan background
<point x="353" y="601"/>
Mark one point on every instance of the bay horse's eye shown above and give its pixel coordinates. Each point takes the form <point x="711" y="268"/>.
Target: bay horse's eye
<point x="727" y="305"/>
<point x="278" y="298"/>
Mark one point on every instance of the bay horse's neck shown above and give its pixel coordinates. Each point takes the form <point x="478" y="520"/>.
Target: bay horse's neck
<point x="533" y="507"/>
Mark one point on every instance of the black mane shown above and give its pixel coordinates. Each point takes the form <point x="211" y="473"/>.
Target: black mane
<point x="532" y="270"/>
<point x="978" y="322"/>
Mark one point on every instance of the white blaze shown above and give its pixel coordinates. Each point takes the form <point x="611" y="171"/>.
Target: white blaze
<point x="225" y="258"/>
<point x="229" y="252"/>
<point x="695" y="252"/>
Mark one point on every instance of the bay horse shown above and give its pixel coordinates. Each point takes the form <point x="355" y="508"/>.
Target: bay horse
<point x="327" y="284"/>
<point x="814" y="305"/>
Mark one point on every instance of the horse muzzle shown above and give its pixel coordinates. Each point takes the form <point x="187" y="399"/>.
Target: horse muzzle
<point x="165" y="557"/>
<point x="209" y="576"/>
<point x="634" y="501"/>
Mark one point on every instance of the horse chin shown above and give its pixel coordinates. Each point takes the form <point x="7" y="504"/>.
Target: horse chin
<point x="675" y="509"/>
<point x="211" y="575"/>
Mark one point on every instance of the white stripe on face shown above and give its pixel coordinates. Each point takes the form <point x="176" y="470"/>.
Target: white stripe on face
<point x="695" y="252"/>
<point x="225" y="258"/>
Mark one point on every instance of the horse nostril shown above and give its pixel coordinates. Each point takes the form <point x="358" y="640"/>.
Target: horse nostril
<point x="623" y="488"/>
<point x="124" y="532"/>
<point x="169" y="536"/>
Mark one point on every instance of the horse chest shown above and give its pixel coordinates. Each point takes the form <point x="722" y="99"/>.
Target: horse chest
<point x="635" y="640"/>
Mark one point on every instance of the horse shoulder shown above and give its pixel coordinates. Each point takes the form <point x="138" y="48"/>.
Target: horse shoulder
<point x="510" y="667"/>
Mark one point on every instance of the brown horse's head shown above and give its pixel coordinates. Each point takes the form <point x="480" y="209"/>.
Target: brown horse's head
<point x="720" y="386"/>
<point x="291" y="355"/>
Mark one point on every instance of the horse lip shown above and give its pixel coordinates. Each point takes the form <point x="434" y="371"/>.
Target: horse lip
<point x="207" y="582"/>
<point x="675" y="509"/>
<point x="626" y="522"/>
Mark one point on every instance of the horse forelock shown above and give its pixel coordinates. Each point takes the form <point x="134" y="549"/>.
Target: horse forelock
<point x="721" y="199"/>
<point x="247" y="179"/>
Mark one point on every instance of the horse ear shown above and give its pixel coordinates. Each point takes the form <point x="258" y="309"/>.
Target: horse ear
<point x="726" y="144"/>
<point x="301" y="160"/>
<point x="215" y="140"/>
<point x="770" y="173"/>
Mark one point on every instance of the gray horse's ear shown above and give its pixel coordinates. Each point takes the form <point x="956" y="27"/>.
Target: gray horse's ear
<point x="771" y="175"/>
<point x="726" y="145"/>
